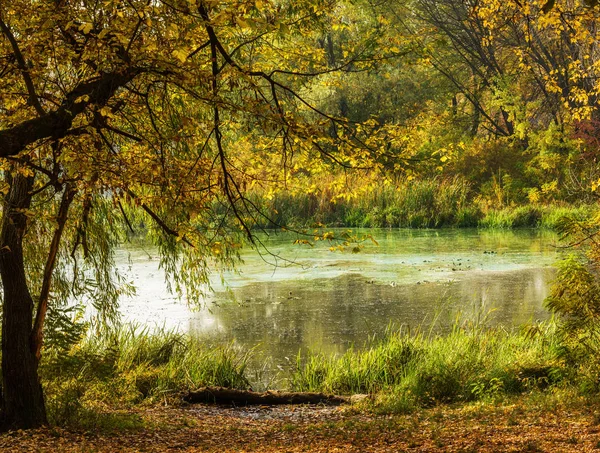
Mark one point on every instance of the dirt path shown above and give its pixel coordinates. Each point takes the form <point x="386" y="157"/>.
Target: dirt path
<point x="317" y="429"/>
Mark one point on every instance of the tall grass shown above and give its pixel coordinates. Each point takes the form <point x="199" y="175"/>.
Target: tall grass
<point x="535" y="216"/>
<point x="468" y="364"/>
<point x="428" y="203"/>
<point x="132" y="366"/>
<point x="408" y="203"/>
<point x="85" y="384"/>
<point x="358" y="371"/>
<point x="553" y="215"/>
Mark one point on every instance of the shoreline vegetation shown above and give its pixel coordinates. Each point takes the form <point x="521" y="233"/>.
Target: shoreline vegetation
<point x="103" y="381"/>
<point x="91" y="381"/>
<point x="426" y="203"/>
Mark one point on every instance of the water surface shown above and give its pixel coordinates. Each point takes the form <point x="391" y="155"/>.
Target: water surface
<point x="326" y="301"/>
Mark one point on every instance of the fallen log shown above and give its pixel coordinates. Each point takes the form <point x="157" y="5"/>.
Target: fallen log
<point x="222" y="395"/>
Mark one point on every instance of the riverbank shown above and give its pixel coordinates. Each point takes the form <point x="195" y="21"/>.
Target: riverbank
<point x="403" y="373"/>
<point x="547" y="424"/>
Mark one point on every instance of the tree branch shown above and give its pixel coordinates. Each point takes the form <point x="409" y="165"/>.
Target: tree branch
<point x="22" y="65"/>
<point x="57" y="124"/>
<point x="160" y="222"/>
<point x="36" y="338"/>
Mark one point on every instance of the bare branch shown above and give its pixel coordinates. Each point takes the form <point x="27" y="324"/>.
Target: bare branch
<point x="22" y="65"/>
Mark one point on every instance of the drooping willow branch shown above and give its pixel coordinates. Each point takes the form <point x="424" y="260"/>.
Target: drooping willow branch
<point x="159" y="221"/>
<point x="36" y="338"/>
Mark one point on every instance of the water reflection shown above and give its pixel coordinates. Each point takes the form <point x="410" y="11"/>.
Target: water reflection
<point x="329" y="315"/>
<point x="329" y="301"/>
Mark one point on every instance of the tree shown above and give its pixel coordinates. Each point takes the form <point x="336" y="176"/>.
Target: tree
<point x="554" y="43"/>
<point x="162" y="113"/>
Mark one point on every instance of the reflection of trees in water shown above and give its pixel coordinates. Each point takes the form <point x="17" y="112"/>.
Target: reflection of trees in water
<point x="329" y="315"/>
<point x="511" y="298"/>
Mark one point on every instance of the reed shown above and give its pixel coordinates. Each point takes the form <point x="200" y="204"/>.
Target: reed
<point x="426" y="203"/>
<point x="535" y="216"/>
<point x="408" y="371"/>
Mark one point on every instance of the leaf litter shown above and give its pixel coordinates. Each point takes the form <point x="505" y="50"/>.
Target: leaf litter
<point x="205" y="428"/>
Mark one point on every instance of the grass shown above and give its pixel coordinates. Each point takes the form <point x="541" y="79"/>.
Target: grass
<point x="428" y="203"/>
<point x="412" y="204"/>
<point x="534" y="216"/>
<point x="469" y="364"/>
<point x="132" y="366"/>
<point x="97" y="382"/>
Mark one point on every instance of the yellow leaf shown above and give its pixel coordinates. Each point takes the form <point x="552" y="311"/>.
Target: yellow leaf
<point x="180" y="54"/>
<point x="242" y="23"/>
<point x="106" y="112"/>
<point x="85" y="28"/>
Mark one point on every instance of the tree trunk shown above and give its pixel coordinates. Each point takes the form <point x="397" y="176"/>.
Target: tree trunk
<point x="22" y="397"/>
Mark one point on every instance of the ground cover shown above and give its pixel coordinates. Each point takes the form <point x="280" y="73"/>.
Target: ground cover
<point x="533" y="424"/>
<point x="402" y="371"/>
<point x="476" y="389"/>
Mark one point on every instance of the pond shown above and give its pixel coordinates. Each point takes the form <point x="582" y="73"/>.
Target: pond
<point x="327" y="301"/>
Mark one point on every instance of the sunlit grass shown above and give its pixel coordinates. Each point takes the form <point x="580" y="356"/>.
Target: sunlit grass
<point x="405" y="371"/>
<point x="131" y="366"/>
<point x="95" y="382"/>
<point x="531" y="216"/>
<point x="424" y="203"/>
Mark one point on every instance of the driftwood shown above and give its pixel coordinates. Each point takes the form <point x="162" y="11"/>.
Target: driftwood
<point x="221" y="395"/>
